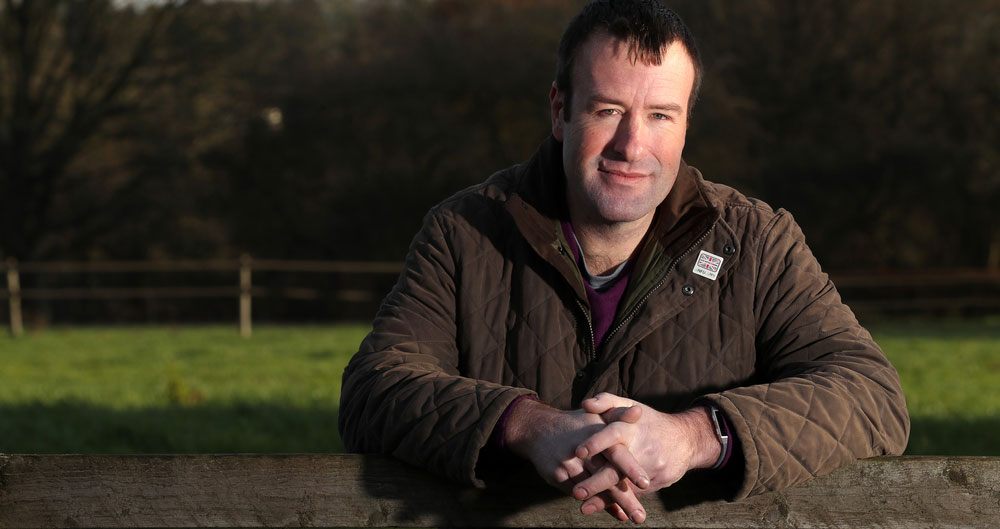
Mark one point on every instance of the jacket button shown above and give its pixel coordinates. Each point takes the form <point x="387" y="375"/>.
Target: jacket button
<point x="728" y="249"/>
<point x="581" y="373"/>
<point x="687" y="290"/>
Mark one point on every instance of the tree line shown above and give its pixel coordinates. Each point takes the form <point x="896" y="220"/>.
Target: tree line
<point x="315" y="129"/>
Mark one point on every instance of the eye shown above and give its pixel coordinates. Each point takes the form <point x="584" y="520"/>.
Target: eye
<point x="607" y="112"/>
<point x="659" y="116"/>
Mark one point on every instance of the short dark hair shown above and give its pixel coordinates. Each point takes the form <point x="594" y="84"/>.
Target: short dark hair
<point x="647" y="26"/>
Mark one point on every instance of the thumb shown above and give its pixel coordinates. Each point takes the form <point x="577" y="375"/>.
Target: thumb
<point x="603" y="402"/>
<point x="630" y="414"/>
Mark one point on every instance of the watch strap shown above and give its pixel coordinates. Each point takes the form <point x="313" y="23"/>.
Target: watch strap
<point x="722" y="433"/>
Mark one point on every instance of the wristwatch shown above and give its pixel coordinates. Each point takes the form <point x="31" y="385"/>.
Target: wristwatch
<point x="723" y="437"/>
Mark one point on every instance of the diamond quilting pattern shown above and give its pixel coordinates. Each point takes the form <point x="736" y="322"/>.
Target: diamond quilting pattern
<point x="769" y="342"/>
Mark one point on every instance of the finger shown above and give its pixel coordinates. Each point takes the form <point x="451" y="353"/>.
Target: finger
<point x="617" y="512"/>
<point x="630" y="415"/>
<point x="620" y="436"/>
<point x="620" y="457"/>
<point x="620" y="495"/>
<point x="604" y="481"/>
<point x="606" y="504"/>
<point x="568" y="474"/>
<point x="621" y="464"/>
<point x="625" y="497"/>
<point x="598" y="482"/>
<point x="594" y="466"/>
<point x="610" y="435"/>
<point x="603" y="402"/>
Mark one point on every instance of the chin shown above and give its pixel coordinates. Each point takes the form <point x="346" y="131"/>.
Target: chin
<point x="628" y="209"/>
<point x="618" y="216"/>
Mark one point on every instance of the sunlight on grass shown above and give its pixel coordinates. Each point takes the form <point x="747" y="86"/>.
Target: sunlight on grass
<point x="127" y="367"/>
<point x="158" y="389"/>
<point x="947" y="369"/>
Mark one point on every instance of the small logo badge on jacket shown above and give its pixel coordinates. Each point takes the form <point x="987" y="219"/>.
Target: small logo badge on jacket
<point x="708" y="265"/>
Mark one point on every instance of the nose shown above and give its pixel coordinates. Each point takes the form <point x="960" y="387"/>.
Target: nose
<point x="629" y="141"/>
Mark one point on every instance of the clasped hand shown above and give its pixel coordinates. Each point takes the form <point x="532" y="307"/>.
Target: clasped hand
<point x="611" y="451"/>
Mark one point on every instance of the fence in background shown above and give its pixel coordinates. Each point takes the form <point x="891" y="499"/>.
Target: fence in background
<point x="242" y="289"/>
<point x="374" y="491"/>
<point x="939" y="292"/>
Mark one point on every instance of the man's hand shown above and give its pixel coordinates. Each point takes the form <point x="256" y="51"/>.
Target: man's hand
<point x="549" y="437"/>
<point x="665" y="445"/>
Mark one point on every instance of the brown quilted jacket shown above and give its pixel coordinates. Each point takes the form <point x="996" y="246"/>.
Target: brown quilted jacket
<point x="491" y="306"/>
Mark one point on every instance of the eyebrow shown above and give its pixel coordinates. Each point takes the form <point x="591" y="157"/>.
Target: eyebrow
<point x="668" y="107"/>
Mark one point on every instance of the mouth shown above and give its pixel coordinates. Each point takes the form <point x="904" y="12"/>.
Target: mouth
<point x="616" y="174"/>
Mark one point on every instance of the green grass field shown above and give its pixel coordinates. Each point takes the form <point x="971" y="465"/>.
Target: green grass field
<point x="951" y="378"/>
<point x="188" y="389"/>
<point x="204" y="389"/>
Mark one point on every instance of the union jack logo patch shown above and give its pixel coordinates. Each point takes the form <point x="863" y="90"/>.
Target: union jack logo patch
<point x="708" y="265"/>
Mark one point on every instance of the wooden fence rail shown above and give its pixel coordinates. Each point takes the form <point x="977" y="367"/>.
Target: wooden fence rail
<point x="940" y="291"/>
<point x="242" y="289"/>
<point x="366" y="491"/>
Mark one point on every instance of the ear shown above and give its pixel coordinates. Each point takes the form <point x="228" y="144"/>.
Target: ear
<point x="557" y="108"/>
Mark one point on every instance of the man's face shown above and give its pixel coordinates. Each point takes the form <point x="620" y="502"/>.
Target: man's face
<point x="622" y="143"/>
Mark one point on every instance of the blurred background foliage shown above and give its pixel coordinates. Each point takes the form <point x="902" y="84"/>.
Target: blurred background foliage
<point x="313" y="129"/>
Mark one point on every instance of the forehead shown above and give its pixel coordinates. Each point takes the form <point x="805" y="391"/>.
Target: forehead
<point x="605" y="63"/>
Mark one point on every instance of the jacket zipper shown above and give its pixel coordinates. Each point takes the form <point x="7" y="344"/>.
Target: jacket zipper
<point x="592" y="352"/>
<point x="656" y="287"/>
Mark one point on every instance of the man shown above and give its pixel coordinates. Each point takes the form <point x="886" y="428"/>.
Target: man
<point x="605" y="313"/>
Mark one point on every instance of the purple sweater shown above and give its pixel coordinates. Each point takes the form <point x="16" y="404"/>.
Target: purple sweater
<point x="603" y="303"/>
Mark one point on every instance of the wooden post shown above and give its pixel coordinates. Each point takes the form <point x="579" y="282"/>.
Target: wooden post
<point x="993" y="258"/>
<point x="245" y="297"/>
<point x="14" y="290"/>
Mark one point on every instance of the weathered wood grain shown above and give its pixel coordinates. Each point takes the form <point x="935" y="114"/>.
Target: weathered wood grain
<point x="366" y="491"/>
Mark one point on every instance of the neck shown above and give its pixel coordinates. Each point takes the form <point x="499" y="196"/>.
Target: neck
<point x="605" y="246"/>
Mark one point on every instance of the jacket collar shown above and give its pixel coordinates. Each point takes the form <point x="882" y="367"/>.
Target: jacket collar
<point x="537" y="205"/>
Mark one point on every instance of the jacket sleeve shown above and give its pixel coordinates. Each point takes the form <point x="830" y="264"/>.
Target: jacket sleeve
<point x="826" y="394"/>
<point x="402" y="392"/>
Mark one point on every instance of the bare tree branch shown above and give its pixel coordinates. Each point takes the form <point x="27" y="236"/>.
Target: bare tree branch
<point x="66" y="77"/>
